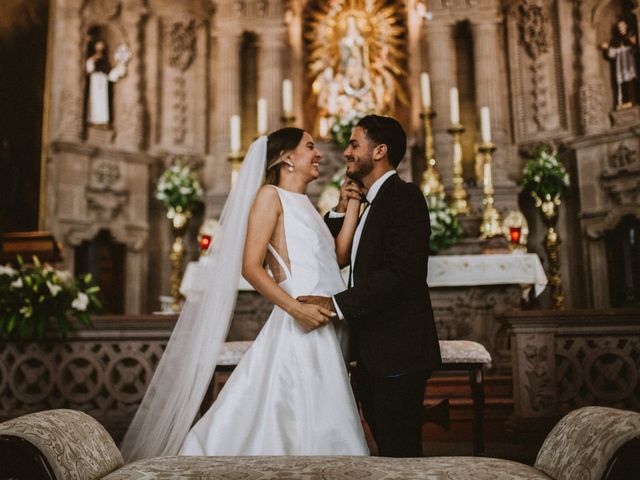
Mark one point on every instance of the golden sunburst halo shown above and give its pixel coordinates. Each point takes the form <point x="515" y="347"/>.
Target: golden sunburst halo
<point x="358" y="44"/>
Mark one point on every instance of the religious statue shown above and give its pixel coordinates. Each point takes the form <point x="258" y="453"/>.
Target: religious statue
<point x="354" y="60"/>
<point x="622" y="50"/>
<point x="99" y="75"/>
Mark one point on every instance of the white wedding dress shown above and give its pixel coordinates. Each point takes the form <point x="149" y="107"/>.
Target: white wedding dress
<point x="290" y="393"/>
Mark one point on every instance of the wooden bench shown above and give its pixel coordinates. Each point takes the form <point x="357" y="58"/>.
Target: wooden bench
<point x="457" y="355"/>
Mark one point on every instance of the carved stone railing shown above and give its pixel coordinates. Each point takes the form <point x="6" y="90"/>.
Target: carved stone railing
<point x="565" y="360"/>
<point x="104" y="370"/>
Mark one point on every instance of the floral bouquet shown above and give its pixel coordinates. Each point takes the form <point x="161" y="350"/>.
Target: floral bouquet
<point x="342" y="127"/>
<point x="179" y="189"/>
<point x="35" y="298"/>
<point x="446" y="229"/>
<point x="545" y="178"/>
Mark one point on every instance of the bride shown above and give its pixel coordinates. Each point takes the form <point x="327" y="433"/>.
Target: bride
<point x="290" y="393"/>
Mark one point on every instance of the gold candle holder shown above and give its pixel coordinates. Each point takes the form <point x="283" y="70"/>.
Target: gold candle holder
<point x="491" y="225"/>
<point x="288" y="119"/>
<point x="459" y="196"/>
<point x="431" y="183"/>
<point x="176" y="256"/>
<point x="550" y="210"/>
<point x="235" y="158"/>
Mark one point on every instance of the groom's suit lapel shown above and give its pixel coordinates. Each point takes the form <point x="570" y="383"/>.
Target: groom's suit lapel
<point x="384" y="189"/>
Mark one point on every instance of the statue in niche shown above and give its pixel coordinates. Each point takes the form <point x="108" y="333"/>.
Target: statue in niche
<point x="622" y="51"/>
<point x="354" y="56"/>
<point x="100" y="75"/>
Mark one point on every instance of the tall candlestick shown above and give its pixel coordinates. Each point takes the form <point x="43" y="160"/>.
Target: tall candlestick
<point x="455" y="106"/>
<point x="491" y="225"/>
<point x="262" y="116"/>
<point x="287" y="97"/>
<point x="235" y="133"/>
<point x="485" y="125"/>
<point x="425" y="90"/>
<point x="459" y="196"/>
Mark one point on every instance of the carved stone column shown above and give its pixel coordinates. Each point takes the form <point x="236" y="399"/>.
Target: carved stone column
<point x="490" y="88"/>
<point x="227" y="102"/>
<point x="130" y="125"/>
<point x="69" y="52"/>
<point x="442" y="72"/>
<point x="270" y="73"/>
<point x="593" y="115"/>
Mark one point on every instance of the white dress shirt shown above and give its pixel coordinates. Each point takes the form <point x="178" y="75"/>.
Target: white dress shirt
<point x="371" y="195"/>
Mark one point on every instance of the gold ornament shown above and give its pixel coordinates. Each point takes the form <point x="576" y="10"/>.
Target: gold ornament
<point x="356" y="56"/>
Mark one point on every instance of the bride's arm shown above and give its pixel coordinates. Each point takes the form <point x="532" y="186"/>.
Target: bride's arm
<point x="344" y="240"/>
<point x="262" y="222"/>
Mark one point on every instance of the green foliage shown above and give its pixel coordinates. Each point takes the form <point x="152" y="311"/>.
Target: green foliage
<point x="446" y="229"/>
<point x="342" y="127"/>
<point x="36" y="299"/>
<point x="544" y="177"/>
<point x="179" y="189"/>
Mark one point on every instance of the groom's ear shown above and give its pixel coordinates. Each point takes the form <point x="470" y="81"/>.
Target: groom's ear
<point x="380" y="151"/>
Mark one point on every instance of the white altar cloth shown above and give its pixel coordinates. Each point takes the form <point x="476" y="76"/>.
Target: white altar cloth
<point x="444" y="271"/>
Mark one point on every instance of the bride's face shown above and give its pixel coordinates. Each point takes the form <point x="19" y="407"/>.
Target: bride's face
<point x="306" y="159"/>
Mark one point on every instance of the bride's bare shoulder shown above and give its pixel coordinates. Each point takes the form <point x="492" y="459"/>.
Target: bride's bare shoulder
<point x="267" y="198"/>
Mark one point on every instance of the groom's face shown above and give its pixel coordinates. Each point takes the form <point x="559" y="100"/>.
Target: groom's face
<point x="359" y="155"/>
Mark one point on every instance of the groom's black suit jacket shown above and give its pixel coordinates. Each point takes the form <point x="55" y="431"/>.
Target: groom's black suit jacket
<point x="389" y="309"/>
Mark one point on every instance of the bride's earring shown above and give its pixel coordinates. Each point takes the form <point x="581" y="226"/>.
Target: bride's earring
<point x="290" y="167"/>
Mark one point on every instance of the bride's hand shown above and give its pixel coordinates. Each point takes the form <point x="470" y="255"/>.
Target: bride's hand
<point x="311" y="316"/>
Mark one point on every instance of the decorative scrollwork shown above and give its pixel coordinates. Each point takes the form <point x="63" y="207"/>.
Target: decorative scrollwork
<point x="539" y="383"/>
<point x="182" y="44"/>
<point x="532" y="23"/>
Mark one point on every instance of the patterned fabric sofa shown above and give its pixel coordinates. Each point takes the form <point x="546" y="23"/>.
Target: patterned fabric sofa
<point x="589" y="443"/>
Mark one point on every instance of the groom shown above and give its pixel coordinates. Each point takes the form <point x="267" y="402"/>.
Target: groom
<point x="387" y="304"/>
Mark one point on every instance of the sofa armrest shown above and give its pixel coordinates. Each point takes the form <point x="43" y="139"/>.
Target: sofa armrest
<point x="583" y="442"/>
<point x="75" y="446"/>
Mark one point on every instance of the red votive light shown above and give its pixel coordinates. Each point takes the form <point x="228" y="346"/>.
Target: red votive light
<point x="514" y="234"/>
<point x="205" y="241"/>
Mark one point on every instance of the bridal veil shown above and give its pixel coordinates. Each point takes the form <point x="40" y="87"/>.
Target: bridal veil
<point x="184" y="372"/>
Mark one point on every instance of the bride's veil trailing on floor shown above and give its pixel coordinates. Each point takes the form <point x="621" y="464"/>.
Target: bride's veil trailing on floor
<point x="177" y="388"/>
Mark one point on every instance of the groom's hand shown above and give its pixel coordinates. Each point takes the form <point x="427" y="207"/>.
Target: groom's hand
<point x="324" y="302"/>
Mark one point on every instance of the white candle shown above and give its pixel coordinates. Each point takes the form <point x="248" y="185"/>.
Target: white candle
<point x="235" y="133"/>
<point x="486" y="175"/>
<point x="485" y="124"/>
<point x="287" y="97"/>
<point x="425" y="90"/>
<point x="262" y="116"/>
<point x="455" y="106"/>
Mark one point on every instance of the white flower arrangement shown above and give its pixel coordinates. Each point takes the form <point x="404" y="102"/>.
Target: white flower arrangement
<point x="179" y="189"/>
<point x="36" y="297"/>
<point x="446" y="229"/>
<point x="544" y="177"/>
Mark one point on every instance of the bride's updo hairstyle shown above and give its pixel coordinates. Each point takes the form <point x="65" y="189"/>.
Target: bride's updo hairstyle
<point x="279" y="143"/>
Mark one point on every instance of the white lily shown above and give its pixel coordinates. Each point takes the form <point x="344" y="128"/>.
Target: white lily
<point x="81" y="302"/>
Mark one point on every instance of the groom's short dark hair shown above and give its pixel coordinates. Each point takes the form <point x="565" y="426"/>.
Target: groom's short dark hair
<point x="386" y="130"/>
